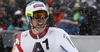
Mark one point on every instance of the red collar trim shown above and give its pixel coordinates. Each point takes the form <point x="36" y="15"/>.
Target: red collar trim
<point x="42" y="34"/>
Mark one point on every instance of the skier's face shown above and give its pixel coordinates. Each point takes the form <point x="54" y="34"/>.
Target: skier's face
<point x="40" y="21"/>
<point x="56" y="11"/>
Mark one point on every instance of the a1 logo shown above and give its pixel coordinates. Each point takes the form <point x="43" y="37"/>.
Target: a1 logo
<point x="38" y="48"/>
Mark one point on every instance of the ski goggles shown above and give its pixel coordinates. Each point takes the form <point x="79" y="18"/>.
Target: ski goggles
<point x="38" y="16"/>
<point x="41" y="14"/>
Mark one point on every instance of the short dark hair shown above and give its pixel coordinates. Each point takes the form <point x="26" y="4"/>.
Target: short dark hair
<point x="56" y="5"/>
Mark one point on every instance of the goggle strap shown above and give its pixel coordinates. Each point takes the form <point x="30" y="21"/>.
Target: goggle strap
<point x="30" y="22"/>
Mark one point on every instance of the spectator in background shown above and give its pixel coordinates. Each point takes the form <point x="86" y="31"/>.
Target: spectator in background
<point x="4" y="6"/>
<point x="57" y="14"/>
<point x="8" y="11"/>
<point x="12" y="8"/>
<point x="76" y="15"/>
<point x="71" y="4"/>
<point x="89" y="25"/>
<point x="69" y="24"/>
<point x="20" y="3"/>
<point x="64" y="2"/>
<point x="64" y="5"/>
<point x="3" y="20"/>
<point x="18" y="23"/>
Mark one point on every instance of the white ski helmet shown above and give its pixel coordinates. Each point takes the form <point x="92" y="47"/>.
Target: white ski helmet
<point x="35" y="6"/>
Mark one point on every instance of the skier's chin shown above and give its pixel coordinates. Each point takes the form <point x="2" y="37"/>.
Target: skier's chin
<point x="40" y="28"/>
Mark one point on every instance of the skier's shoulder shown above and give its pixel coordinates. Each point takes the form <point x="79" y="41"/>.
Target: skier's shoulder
<point x="23" y="33"/>
<point x="55" y="29"/>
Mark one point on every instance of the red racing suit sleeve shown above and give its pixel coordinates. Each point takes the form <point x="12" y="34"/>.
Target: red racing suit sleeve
<point x="17" y="44"/>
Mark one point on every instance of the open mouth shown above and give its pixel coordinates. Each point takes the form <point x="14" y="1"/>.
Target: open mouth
<point x="40" y="25"/>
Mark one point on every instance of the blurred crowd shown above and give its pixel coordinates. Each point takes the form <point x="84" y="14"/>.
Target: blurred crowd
<point x="74" y="16"/>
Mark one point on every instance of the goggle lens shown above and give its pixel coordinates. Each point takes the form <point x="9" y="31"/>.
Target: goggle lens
<point x="40" y="15"/>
